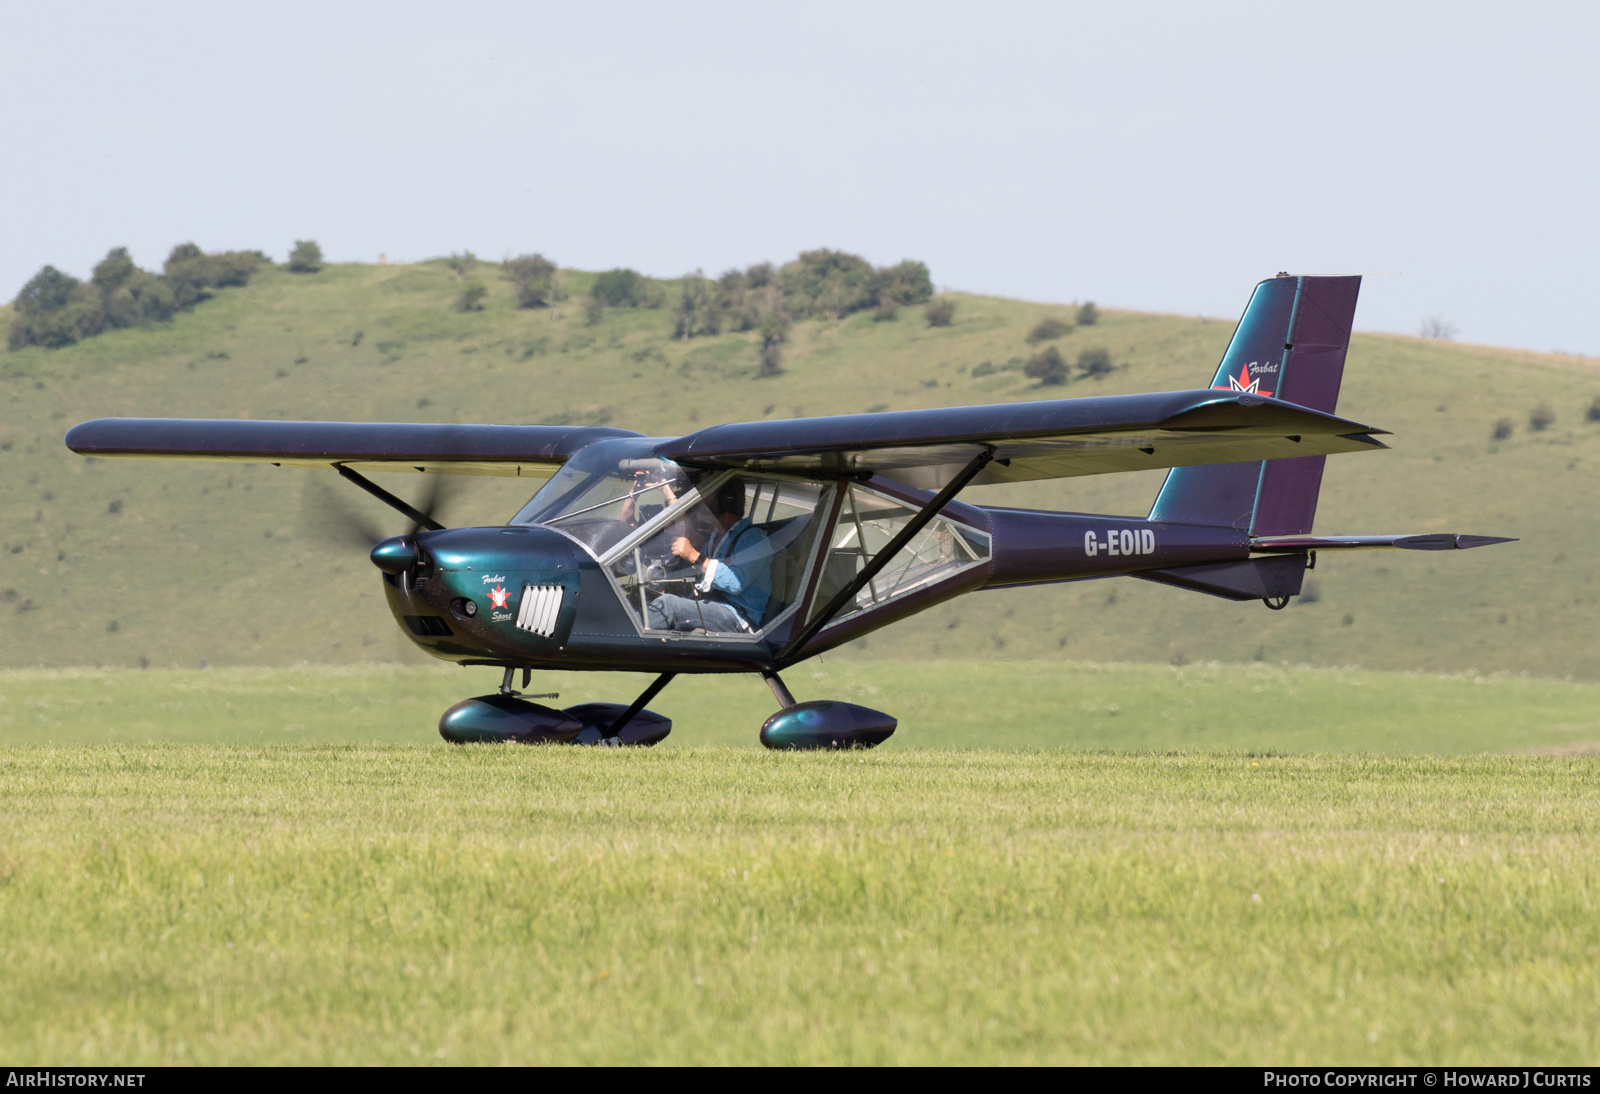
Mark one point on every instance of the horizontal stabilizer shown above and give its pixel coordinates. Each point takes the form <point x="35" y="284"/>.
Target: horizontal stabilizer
<point x="1429" y="541"/>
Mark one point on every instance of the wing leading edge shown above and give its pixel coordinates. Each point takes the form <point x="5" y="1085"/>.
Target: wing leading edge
<point x="1037" y="440"/>
<point x="507" y="450"/>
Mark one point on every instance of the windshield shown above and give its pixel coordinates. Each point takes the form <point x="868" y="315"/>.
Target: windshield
<point x="607" y="490"/>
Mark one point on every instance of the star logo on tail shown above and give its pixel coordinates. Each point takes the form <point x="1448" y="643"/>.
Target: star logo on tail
<point x="1244" y="383"/>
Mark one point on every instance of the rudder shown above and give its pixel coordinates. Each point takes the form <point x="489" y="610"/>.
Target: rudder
<point x="1290" y="344"/>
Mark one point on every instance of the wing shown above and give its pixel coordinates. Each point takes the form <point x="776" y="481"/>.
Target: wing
<point x="509" y="450"/>
<point x="1037" y="440"/>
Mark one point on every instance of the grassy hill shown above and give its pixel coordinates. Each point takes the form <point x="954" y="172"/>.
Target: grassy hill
<point x="130" y="563"/>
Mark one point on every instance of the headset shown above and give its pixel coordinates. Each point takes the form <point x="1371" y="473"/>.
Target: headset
<point x="729" y="497"/>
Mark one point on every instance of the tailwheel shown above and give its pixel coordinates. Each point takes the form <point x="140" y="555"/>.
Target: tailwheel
<point x="822" y="723"/>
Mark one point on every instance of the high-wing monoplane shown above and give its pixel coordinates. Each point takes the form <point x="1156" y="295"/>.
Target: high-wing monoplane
<point x="751" y="547"/>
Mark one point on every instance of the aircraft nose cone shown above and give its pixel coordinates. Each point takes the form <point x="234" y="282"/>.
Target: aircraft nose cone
<point x="395" y="555"/>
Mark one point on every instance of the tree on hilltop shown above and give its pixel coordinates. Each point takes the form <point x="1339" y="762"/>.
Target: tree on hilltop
<point x="306" y="257"/>
<point x="535" y="279"/>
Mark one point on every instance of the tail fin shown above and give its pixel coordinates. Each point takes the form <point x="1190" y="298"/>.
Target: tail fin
<point x="1290" y="344"/>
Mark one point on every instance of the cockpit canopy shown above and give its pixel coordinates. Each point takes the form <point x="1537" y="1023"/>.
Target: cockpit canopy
<point x="606" y="490"/>
<point x="630" y="508"/>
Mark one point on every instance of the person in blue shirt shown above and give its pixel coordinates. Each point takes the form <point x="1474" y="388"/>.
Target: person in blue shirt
<point x="734" y="567"/>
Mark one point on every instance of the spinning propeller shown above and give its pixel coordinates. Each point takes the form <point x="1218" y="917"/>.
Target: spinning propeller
<point x="328" y="514"/>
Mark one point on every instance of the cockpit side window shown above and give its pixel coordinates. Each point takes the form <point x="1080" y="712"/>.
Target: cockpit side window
<point x="867" y="522"/>
<point x="730" y="561"/>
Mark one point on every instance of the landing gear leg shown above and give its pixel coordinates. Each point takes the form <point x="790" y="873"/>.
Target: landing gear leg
<point x="613" y="724"/>
<point x="779" y="690"/>
<point x="527" y="678"/>
<point x="821" y="723"/>
<point x="639" y="704"/>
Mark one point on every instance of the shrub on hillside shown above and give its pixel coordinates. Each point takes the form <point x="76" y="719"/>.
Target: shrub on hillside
<point x="907" y="284"/>
<point x="941" y="313"/>
<point x="1502" y="429"/>
<point x="191" y="273"/>
<point x="1542" y="418"/>
<point x="1593" y="413"/>
<point x="306" y="257"/>
<point x="887" y="311"/>
<point x="52" y="311"/>
<point x="1047" y="367"/>
<point x="142" y="297"/>
<point x="470" y="298"/>
<point x="836" y="283"/>
<point x="830" y="283"/>
<point x="621" y="289"/>
<point x="1094" y="364"/>
<point x="750" y="308"/>
<point x="698" y="311"/>
<point x="774" y="332"/>
<point x="1048" y="329"/>
<point x="1088" y="314"/>
<point x="463" y="264"/>
<point x="55" y="309"/>
<point x="594" y="310"/>
<point x="535" y="279"/>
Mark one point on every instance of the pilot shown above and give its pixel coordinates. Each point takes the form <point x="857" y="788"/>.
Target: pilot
<point x="734" y="567"/>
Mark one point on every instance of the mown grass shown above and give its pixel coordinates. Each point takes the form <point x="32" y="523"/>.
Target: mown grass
<point x="939" y="704"/>
<point x="396" y="904"/>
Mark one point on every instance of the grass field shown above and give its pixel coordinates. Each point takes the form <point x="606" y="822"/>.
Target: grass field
<point x="1007" y="705"/>
<point x="398" y="904"/>
<point x="113" y="562"/>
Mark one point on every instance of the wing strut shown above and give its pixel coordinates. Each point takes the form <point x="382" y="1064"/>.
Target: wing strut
<point x="885" y="556"/>
<point x="421" y="519"/>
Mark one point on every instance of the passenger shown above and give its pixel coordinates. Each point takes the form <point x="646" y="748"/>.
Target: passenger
<point x="735" y="568"/>
<point x="644" y="480"/>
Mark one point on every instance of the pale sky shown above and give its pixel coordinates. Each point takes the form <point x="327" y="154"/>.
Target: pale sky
<point x="1163" y="157"/>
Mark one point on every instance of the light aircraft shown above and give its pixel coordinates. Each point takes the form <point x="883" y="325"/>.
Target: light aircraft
<point x="751" y="547"/>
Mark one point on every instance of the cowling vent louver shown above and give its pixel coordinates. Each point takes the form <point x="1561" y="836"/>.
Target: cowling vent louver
<point x="540" y="608"/>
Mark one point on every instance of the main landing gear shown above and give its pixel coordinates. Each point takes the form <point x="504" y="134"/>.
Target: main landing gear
<point x="822" y="723"/>
<point x="509" y="716"/>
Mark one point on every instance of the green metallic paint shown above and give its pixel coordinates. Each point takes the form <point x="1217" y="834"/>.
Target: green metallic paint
<point x="827" y="723"/>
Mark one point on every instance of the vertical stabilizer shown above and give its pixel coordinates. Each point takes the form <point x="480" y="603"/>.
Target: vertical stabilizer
<point x="1290" y="344"/>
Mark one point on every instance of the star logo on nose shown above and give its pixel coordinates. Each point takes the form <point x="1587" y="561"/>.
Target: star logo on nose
<point x="498" y="595"/>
